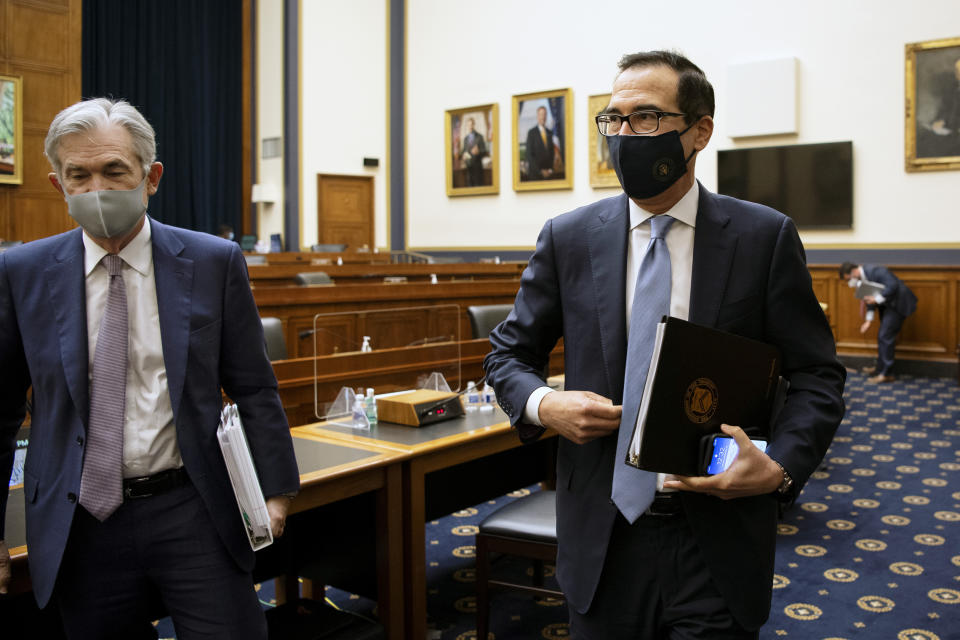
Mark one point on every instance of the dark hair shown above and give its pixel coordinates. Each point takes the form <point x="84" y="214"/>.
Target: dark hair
<point x="694" y="91"/>
<point x="846" y="268"/>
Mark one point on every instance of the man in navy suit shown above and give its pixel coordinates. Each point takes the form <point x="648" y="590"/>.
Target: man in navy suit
<point x="894" y="303"/>
<point x="698" y="561"/>
<point x="540" y="151"/>
<point x="172" y="533"/>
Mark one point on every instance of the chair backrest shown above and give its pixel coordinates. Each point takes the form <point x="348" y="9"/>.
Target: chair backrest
<point x="273" y="336"/>
<point x="312" y="277"/>
<point x="483" y="318"/>
<point x="327" y="248"/>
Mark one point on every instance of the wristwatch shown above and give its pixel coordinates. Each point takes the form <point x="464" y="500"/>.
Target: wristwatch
<point x="784" y="489"/>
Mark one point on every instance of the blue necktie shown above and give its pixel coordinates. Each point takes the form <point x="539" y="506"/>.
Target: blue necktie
<point x="634" y="489"/>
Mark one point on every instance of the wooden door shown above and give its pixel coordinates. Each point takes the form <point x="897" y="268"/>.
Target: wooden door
<point x="345" y="210"/>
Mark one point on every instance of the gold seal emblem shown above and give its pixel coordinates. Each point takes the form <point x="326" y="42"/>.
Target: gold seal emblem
<point x="700" y="400"/>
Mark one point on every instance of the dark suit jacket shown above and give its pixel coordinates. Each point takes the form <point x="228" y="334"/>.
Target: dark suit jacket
<point x="750" y="278"/>
<point x="896" y="295"/>
<point x="212" y="338"/>
<point x="539" y="155"/>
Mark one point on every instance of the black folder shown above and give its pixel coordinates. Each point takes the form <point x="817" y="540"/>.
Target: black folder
<point x="700" y="378"/>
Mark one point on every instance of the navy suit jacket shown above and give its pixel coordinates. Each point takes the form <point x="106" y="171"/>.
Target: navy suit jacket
<point x="749" y="278"/>
<point x="896" y="295"/>
<point x="212" y="339"/>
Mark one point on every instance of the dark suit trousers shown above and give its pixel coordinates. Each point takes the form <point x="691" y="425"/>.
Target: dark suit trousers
<point x="890" y="323"/>
<point x="656" y="586"/>
<point x="154" y="555"/>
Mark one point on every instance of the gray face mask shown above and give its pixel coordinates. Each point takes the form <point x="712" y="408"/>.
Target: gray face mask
<point x="109" y="213"/>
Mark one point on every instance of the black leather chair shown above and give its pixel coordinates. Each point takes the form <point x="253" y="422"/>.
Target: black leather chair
<point x="483" y="318"/>
<point x="312" y="277"/>
<point x="526" y="527"/>
<point x="276" y="341"/>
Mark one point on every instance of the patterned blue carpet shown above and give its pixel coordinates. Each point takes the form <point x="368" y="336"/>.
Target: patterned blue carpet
<point x="870" y="550"/>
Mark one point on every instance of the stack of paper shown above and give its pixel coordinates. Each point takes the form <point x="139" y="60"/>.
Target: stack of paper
<point x="243" y="477"/>
<point x="867" y="288"/>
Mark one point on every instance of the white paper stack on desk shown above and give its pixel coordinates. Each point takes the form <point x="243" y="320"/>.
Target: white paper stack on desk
<point x="243" y="477"/>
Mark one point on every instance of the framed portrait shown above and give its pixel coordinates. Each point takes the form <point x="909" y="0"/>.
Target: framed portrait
<point x="933" y="105"/>
<point x="472" y="153"/>
<point x="543" y="140"/>
<point x="11" y="130"/>
<point x="602" y="173"/>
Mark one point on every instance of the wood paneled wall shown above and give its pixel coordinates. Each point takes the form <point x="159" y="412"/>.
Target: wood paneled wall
<point x="932" y="333"/>
<point x="40" y="42"/>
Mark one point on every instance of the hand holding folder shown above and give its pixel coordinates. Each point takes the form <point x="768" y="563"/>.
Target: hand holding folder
<point x="243" y="477"/>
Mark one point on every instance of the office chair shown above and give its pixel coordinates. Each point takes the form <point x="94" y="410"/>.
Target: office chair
<point x="483" y="318"/>
<point x="526" y="527"/>
<point x="327" y="248"/>
<point x="312" y="277"/>
<point x="273" y="336"/>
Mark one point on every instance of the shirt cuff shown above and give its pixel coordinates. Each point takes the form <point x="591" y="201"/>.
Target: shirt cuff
<point x="531" y="413"/>
<point x="879" y="298"/>
<point x="869" y="315"/>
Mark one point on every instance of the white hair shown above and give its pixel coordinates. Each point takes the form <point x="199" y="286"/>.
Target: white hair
<point x="97" y="113"/>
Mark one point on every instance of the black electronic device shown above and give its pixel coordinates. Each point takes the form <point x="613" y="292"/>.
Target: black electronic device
<point x="811" y="183"/>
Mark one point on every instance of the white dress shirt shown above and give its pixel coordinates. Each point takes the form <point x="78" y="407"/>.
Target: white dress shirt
<point x="679" y="242"/>
<point x="149" y="435"/>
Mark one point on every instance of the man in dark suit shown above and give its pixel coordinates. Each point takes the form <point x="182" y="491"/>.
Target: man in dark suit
<point x="473" y="152"/>
<point x="540" y="149"/>
<point x="894" y="303"/>
<point x="128" y="332"/>
<point x="695" y="557"/>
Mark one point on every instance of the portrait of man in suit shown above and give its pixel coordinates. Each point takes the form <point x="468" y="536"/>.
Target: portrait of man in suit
<point x="472" y="152"/>
<point x="642" y="555"/>
<point x="129" y="332"/>
<point x="541" y="139"/>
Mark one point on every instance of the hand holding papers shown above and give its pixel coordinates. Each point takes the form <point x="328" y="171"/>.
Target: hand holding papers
<point x="867" y="289"/>
<point x="243" y="477"/>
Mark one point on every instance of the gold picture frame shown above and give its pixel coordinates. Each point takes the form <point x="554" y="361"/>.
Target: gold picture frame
<point x="602" y="174"/>
<point x="475" y="170"/>
<point x="11" y="130"/>
<point x="548" y="162"/>
<point x="933" y="105"/>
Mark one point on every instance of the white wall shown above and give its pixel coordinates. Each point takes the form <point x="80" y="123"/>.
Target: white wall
<point x="343" y="80"/>
<point x="269" y="114"/>
<point x="851" y="87"/>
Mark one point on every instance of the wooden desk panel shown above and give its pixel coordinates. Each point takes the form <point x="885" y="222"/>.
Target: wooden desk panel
<point x="296" y="307"/>
<point x="274" y="274"/>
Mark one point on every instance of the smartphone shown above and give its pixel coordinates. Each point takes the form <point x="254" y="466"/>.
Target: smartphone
<point x="720" y="452"/>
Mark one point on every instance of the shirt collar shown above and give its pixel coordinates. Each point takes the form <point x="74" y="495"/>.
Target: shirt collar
<point x="685" y="210"/>
<point x="138" y="252"/>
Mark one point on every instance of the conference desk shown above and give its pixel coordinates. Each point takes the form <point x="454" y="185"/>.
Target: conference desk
<point x="446" y="466"/>
<point x="330" y="471"/>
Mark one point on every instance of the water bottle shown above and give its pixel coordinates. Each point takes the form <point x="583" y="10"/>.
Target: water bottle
<point x="488" y="400"/>
<point x="359" y="412"/>
<point x="473" y="398"/>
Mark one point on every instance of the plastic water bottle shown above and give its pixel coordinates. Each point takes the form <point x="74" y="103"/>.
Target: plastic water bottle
<point x="488" y="400"/>
<point x="371" y="407"/>
<point x="359" y="411"/>
<point x="473" y="398"/>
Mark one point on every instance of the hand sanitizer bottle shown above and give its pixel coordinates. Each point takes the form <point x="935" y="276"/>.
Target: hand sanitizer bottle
<point x="371" y="406"/>
<point x="473" y="397"/>
<point x="366" y="344"/>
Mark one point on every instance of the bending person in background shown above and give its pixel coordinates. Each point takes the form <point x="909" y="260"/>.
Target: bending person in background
<point x="894" y="304"/>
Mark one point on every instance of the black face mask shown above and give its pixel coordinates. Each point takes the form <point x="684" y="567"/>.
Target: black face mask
<point x="648" y="165"/>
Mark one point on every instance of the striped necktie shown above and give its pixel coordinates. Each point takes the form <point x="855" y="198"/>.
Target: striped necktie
<point x="634" y="489"/>
<point x="101" y="482"/>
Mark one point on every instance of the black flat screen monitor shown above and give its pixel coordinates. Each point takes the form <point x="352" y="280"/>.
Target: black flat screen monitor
<point x="811" y="183"/>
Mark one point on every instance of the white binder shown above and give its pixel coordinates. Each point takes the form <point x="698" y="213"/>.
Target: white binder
<point x="243" y="477"/>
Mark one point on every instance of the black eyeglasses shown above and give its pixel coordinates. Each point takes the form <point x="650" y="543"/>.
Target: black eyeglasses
<point x="646" y="121"/>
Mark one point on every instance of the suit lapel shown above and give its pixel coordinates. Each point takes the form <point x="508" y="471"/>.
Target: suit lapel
<point x="68" y="294"/>
<point x="174" y="279"/>
<point x="607" y="242"/>
<point x="713" y="249"/>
